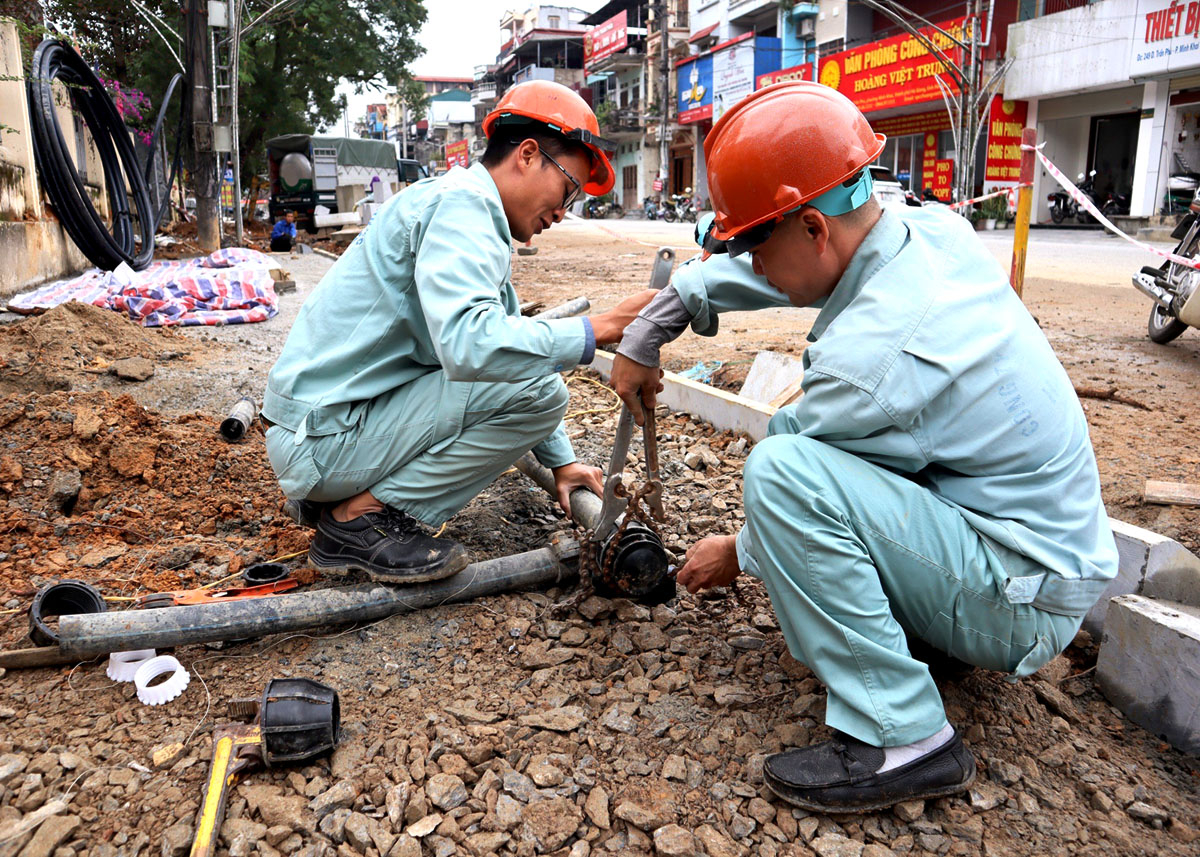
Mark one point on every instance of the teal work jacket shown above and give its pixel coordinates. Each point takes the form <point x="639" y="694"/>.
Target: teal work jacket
<point x="425" y="287"/>
<point x="923" y="360"/>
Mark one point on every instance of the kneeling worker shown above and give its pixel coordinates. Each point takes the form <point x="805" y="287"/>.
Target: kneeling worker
<point x="410" y="380"/>
<point x="935" y="480"/>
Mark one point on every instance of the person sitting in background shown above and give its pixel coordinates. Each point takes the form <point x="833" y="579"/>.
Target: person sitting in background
<point x="284" y="233"/>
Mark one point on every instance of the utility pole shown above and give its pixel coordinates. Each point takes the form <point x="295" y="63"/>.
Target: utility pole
<point x="664" y="82"/>
<point x="204" y="171"/>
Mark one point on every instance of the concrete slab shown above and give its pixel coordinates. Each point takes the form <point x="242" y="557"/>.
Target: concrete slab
<point x="1150" y="564"/>
<point x="770" y="374"/>
<point x="717" y="407"/>
<point x="1149" y="667"/>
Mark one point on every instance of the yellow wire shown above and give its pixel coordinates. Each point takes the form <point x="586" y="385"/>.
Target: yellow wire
<point x="591" y="411"/>
<point x="438" y="534"/>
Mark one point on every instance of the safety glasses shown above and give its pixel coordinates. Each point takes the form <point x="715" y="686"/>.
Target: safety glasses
<point x="572" y="194"/>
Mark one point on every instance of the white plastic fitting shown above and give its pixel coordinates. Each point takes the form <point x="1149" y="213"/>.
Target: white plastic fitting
<point x="167" y="690"/>
<point x="122" y="665"/>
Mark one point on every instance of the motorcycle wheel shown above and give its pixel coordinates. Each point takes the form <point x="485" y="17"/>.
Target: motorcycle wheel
<point x="1056" y="213"/>
<point x="690" y="215"/>
<point x="615" y="212"/>
<point x="1163" y="327"/>
<point x="669" y="216"/>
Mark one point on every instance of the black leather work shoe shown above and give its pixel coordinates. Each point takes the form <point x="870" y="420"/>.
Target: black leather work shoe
<point x="306" y="513"/>
<point x="390" y="546"/>
<point x="839" y="776"/>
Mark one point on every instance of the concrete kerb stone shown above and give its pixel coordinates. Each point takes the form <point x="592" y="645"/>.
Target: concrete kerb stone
<point x="715" y="406"/>
<point x="1148" y="666"/>
<point x="1151" y="565"/>
<point x="770" y="373"/>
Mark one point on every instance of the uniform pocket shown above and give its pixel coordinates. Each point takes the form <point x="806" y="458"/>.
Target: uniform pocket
<point x="294" y="467"/>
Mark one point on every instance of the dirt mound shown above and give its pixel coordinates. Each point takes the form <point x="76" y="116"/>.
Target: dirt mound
<point x="94" y="487"/>
<point x="57" y="349"/>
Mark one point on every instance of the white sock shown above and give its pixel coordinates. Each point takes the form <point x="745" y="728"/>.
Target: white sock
<point x="894" y="757"/>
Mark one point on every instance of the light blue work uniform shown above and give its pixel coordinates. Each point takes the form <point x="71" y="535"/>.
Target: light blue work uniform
<point x="935" y="478"/>
<point x="410" y="372"/>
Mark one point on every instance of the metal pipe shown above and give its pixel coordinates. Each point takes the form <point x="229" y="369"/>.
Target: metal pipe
<point x="1146" y="286"/>
<point x="570" y="308"/>
<point x="585" y="506"/>
<point x="80" y="639"/>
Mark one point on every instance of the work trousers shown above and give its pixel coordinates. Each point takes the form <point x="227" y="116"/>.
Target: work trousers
<point x="854" y="556"/>
<point x="426" y="448"/>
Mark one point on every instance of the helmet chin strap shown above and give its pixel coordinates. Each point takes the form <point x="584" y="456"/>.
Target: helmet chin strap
<point x="846" y="197"/>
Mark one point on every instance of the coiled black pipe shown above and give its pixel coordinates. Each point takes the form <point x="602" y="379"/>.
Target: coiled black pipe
<point x="56" y="60"/>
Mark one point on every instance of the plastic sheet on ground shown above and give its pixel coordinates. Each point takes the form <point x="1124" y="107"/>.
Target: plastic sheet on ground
<point x="230" y="286"/>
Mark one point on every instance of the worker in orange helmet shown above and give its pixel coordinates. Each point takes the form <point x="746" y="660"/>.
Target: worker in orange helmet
<point x="410" y="380"/>
<point x="934" y="484"/>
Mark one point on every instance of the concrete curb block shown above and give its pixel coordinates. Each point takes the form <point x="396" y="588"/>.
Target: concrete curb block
<point x="1151" y="565"/>
<point x="1148" y="667"/>
<point x="717" y="407"/>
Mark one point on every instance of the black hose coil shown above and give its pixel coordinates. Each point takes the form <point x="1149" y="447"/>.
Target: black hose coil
<point x="56" y="60"/>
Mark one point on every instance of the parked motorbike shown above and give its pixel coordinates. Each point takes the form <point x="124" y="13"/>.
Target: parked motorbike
<point x="1063" y="207"/>
<point x="1174" y="288"/>
<point x="650" y="208"/>
<point x="597" y="208"/>
<point x="680" y="206"/>
<point x="1115" y="204"/>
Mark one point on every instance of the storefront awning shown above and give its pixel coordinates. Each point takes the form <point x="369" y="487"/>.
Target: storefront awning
<point x="700" y="34"/>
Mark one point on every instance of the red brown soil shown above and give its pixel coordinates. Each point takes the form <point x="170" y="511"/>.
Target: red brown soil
<point x="65" y="346"/>
<point x="165" y="503"/>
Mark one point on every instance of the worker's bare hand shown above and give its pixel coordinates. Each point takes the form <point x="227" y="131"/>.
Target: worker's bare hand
<point x="608" y="326"/>
<point x="710" y="562"/>
<point x="636" y="384"/>
<point x="575" y="475"/>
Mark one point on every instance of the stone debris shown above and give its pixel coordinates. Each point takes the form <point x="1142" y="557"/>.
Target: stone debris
<point x="512" y="727"/>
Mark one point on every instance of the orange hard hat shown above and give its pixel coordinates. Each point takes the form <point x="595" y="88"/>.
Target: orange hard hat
<point x="563" y="111"/>
<point x="781" y="147"/>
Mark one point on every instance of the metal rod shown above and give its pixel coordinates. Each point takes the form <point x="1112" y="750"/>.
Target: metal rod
<point x="127" y="630"/>
<point x="570" y="308"/>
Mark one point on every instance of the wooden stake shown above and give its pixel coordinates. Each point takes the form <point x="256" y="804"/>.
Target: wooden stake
<point x="1024" y="209"/>
<point x="1173" y="493"/>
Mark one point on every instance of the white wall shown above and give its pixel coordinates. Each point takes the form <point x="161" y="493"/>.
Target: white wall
<point x="1073" y="51"/>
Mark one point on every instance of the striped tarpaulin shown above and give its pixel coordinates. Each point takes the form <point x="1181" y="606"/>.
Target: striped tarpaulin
<point x="230" y="286"/>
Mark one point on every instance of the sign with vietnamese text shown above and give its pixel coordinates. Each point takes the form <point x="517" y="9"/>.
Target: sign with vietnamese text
<point x="943" y="178"/>
<point x="894" y="72"/>
<point x="914" y="123"/>
<point x="1006" y="120"/>
<point x="695" y="85"/>
<point x="606" y="39"/>
<point x="732" y="75"/>
<point x="1166" y="37"/>
<point x="796" y="72"/>
<point x="458" y="154"/>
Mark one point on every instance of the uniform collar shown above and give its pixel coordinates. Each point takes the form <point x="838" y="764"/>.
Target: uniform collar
<point x="477" y="174"/>
<point x="885" y="240"/>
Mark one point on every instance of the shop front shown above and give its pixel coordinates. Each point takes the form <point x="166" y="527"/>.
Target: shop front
<point x="709" y="84"/>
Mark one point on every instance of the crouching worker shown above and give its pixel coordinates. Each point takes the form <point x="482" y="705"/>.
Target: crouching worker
<point x="935" y="479"/>
<point x="410" y="380"/>
<point x="284" y="233"/>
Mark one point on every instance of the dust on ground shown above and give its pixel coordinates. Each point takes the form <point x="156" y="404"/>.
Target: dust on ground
<point x="520" y="724"/>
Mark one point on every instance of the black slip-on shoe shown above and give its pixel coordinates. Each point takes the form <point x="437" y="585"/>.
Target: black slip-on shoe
<point x="306" y="513"/>
<point x="390" y="546"/>
<point x="839" y="776"/>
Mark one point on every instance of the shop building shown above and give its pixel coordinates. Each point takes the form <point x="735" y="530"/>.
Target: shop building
<point x="1114" y="87"/>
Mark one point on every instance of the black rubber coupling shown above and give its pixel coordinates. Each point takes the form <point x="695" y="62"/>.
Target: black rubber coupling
<point x="61" y="598"/>
<point x="300" y="719"/>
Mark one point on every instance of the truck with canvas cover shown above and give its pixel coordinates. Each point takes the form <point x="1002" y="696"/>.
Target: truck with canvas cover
<point x="307" y="171"/>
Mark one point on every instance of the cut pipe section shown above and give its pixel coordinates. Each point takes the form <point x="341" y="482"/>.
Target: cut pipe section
<point x="80" y="639"/>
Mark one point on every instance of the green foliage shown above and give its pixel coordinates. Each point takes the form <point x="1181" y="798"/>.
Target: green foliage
<point x="605" y="111"/>
<point x="412" y="92"/>
<point x="995" y="208"/>
<point x="290" y="65"/>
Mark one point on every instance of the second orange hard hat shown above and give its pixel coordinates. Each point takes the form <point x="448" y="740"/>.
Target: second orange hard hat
<point x="781" y="147"/>
<point x="564" y="111"/>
